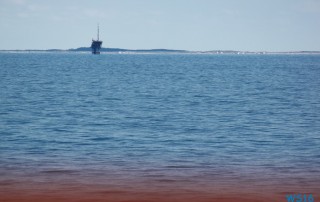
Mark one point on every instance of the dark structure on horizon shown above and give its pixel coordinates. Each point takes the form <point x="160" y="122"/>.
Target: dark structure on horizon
<point x="96" y="44"/>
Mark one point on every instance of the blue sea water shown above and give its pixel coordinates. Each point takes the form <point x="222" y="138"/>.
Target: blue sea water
<point x="161" y="118"/>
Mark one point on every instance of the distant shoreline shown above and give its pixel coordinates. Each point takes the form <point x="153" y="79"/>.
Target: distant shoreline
<point x="163" y="51"/>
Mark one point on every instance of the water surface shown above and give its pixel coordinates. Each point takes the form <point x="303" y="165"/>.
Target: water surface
<point x="175" y="125"/>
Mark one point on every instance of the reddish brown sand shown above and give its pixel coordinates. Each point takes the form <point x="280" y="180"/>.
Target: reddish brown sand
<point x="121" y="196"/>
<point x="66" y="187"/>
<point x="72" y="192"/>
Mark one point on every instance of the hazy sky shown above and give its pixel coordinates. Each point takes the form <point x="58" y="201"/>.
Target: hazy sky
<point x="253" y="25"/>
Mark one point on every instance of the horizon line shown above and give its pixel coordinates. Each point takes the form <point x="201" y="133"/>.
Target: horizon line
<point x="165" y="50"/>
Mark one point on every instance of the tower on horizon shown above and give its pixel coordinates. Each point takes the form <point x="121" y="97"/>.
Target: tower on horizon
<point x="96" y="44"/>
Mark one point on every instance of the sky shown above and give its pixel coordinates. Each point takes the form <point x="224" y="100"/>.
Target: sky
<point x="196" y="25"/>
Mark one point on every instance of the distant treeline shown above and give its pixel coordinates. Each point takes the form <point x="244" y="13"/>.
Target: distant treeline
<point x="121" y="50"/>
<point x="128" y="50"/>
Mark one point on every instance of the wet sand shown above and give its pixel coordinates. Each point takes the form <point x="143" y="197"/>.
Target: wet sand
<point x="15" y="191"/>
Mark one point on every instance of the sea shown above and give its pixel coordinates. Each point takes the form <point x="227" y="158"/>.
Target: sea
<point x="159" y="127"/>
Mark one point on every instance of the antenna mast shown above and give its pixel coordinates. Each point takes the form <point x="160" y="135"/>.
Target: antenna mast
<point x="98" y="32"/>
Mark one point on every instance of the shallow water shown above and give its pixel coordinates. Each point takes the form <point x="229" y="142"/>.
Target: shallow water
<point x="209" y="124"/>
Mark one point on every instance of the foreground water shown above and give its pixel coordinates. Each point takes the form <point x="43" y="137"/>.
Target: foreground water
<point x="125" y="127"/>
